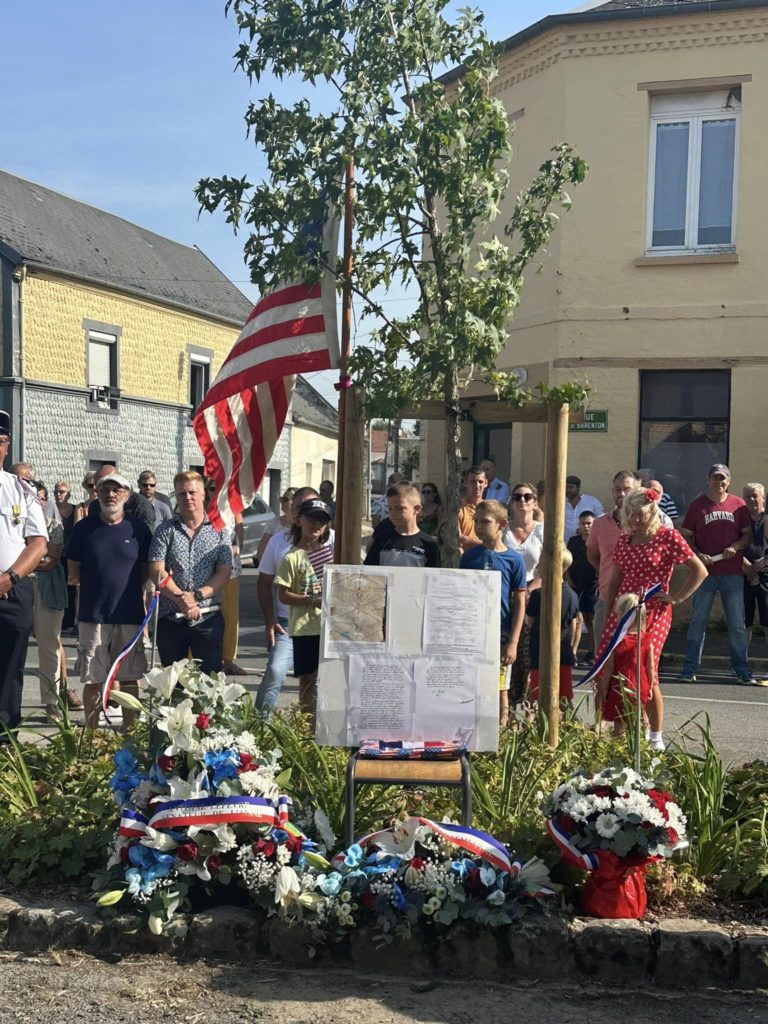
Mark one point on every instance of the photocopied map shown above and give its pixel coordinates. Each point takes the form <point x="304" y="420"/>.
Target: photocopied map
<point x="358" y="605"/>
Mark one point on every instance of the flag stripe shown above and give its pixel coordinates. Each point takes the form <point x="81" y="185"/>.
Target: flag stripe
<point x="290" y="331"/>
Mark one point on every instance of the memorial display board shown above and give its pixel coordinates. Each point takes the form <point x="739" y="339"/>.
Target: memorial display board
<point x="409" y="654"/>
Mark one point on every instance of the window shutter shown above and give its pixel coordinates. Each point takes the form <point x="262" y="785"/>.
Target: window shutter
<point x="99" y="364"/>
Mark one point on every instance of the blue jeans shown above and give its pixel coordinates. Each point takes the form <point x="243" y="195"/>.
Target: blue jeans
<point x="731" y="590"/>
<point x="279" y="664"/>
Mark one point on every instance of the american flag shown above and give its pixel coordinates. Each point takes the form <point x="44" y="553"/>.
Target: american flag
<point x="289" y="331"/>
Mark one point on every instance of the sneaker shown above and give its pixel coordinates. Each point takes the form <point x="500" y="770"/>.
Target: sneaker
<point x="686" y="679"/>
<point x="658" y="744"/>
<point x="748" y="681"/>
<point x="52" y="713"/>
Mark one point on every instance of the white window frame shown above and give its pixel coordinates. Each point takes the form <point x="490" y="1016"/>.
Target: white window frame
<point x="103" y="398"/>
<point x="203" y="362"/>
<point x="695" y="108"/>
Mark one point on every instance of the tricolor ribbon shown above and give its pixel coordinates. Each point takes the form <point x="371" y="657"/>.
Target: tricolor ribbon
<point x="208" y="811"/>
<point x="474" y="842"/>
<point x="106" y="690"/>
<point x="579" y="858"/>
<point x="622" y="628"/>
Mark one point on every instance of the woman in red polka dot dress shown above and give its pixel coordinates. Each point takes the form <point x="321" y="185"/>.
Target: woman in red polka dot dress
<point x="645" y="554"/>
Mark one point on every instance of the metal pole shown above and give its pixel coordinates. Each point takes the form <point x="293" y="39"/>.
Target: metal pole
<point x="638" y="686"/>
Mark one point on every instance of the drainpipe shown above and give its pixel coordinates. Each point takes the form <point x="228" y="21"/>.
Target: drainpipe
<point x="19" y="276"/>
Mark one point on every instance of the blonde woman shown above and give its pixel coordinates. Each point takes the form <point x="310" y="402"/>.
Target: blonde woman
<point x="645" y="554"/>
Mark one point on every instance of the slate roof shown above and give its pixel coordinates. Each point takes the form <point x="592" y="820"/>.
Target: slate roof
<point x="41" y="226"/>
<point x="622" y="5"/>
<point x="310" y="409"/>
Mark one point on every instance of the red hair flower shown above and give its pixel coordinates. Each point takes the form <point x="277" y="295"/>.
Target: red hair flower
<point x="651" y="494"/>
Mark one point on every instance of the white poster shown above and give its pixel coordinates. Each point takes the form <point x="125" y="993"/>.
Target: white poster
<point x="455" y="617"/>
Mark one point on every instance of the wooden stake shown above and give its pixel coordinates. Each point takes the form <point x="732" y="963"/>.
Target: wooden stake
<point x="352" y="497"/>
<point x="346" y="339"/>
<point x="638" y="687"/>
<point x="552" y="570"/>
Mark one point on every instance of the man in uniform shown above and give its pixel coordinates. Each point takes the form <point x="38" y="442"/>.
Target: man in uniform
<point x="23" y="542"/>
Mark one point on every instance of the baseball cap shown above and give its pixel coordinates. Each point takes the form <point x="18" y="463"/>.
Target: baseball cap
<point x="719" y="468"/>
<point x="115" y="478"/>
<point x="315" y="507"/>
<point x="5" y="423"/>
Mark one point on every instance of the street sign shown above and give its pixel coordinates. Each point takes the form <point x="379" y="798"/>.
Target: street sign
<point x="594" y="420"/>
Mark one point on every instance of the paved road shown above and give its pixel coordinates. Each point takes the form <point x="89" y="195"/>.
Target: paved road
<point x="738" y="714"/>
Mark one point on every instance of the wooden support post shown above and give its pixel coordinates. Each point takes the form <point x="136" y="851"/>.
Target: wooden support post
<point x="552" y="570"/>
<point x="346" y="341"/>
<point x="351" y="498"/>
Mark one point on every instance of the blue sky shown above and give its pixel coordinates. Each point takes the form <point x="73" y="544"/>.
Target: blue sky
<point x="126" y="105"/>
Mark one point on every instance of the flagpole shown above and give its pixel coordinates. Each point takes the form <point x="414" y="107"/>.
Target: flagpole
<point x="346" y="339"/>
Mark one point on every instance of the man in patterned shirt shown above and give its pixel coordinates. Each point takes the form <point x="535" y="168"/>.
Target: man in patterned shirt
<point x="199" y="561"/>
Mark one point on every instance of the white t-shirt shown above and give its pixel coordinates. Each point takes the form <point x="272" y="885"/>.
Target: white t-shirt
<point x="585" y="503"/>
<point x="20" y="517"/>
<point x="279" y="544"/>
<point x="530" y="548"/>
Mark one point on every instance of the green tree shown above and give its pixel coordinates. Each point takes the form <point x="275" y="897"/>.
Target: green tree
<point x="431" y="172"/>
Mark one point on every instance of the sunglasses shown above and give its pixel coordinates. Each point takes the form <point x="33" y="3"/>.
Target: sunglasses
<point x="427" y="490"/>
<point x="522" y="497"/>
<point x="59" y="492"/>
<point x="88" y="487"/>
<point x="146" y="483"/>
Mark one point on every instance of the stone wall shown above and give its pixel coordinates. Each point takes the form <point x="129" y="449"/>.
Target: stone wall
<point x="63" y="434"/>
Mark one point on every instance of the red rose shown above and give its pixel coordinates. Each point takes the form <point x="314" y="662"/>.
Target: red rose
<point x="472" y="881"/>
<point x="567" y="823"/>
<point x="246" y="764"/>
<point x="124" y="853"/>
<point x="368" y="899"/>
<point x="186" y="850"/>
<point x="673" y="836"/>
<point x="605" y="791"/>
<point x="646" y="826"/>
<point x="214" y="862"/>
<point x="202" y="721"/>
<point x="266" y="847"/>
<point x="294" y="843"/>
<point x="418" y="863"/>
<point x="165" y="764"/>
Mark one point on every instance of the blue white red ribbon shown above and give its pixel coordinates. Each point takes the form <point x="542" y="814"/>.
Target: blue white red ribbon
<point x="584" y="859"/>
<point x="622" y="628"/>
<point x="477" y="843"/>
<point x="208" y="811"/>
<point x="106" y="690"/>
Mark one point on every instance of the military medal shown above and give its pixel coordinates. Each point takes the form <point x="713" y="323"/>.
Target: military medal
<point x="16" y="513"/>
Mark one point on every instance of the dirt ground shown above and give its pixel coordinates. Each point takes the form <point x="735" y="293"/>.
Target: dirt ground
<point x="54" y="988"/>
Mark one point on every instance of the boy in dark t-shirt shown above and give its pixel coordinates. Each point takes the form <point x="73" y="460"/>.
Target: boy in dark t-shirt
<point x="404" y="544"/>
<point x="583" y="578"/>
<point x="569" y="620"/>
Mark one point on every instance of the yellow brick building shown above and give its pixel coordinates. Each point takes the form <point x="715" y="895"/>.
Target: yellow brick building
<point x="110" y="337"/>
<point x="653" y="289"/>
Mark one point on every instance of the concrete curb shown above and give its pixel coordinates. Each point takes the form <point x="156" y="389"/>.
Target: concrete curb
<point x="675" y="953"/>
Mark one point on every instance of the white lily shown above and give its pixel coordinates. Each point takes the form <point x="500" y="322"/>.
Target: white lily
<point x="286" y="885"/>
<point x="398" y="841"/>
<point x="163" y="680"/>
<point x="186" y="789"/>
<point x="158" y="840"/>
<point x="224" y="835"/>
<point x="178" y="722"/>
<point x="535" y="873"/>
<point x="191" y="867"/>
<point x="232" y="692"/>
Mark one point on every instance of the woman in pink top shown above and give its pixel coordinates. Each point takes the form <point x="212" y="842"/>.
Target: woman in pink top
<point x="645" y="554"/>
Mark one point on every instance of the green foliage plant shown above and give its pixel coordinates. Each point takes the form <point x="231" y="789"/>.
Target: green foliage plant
<point x="431" y="160"/>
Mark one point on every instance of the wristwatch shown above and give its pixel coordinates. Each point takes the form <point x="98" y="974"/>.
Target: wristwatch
<point x="198" y="595"/>
<point x="14" y="577"/>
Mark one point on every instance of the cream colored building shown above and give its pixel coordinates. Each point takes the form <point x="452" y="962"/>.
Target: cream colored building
<point x="314" y="437"/>
<point x="654" y="286"/>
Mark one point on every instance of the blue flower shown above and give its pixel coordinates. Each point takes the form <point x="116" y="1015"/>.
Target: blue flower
<point x="127" y="776"/>
<point x="133" y="878"/>
<point x="354" y="856"/>
<point x="224" y="764"/>
<point x="149" y="864"/>
<point x="330" y="885"/>
<point x="463" y="867"/>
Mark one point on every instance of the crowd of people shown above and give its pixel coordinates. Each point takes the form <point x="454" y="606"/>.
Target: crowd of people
<point x="91" y="567"/>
